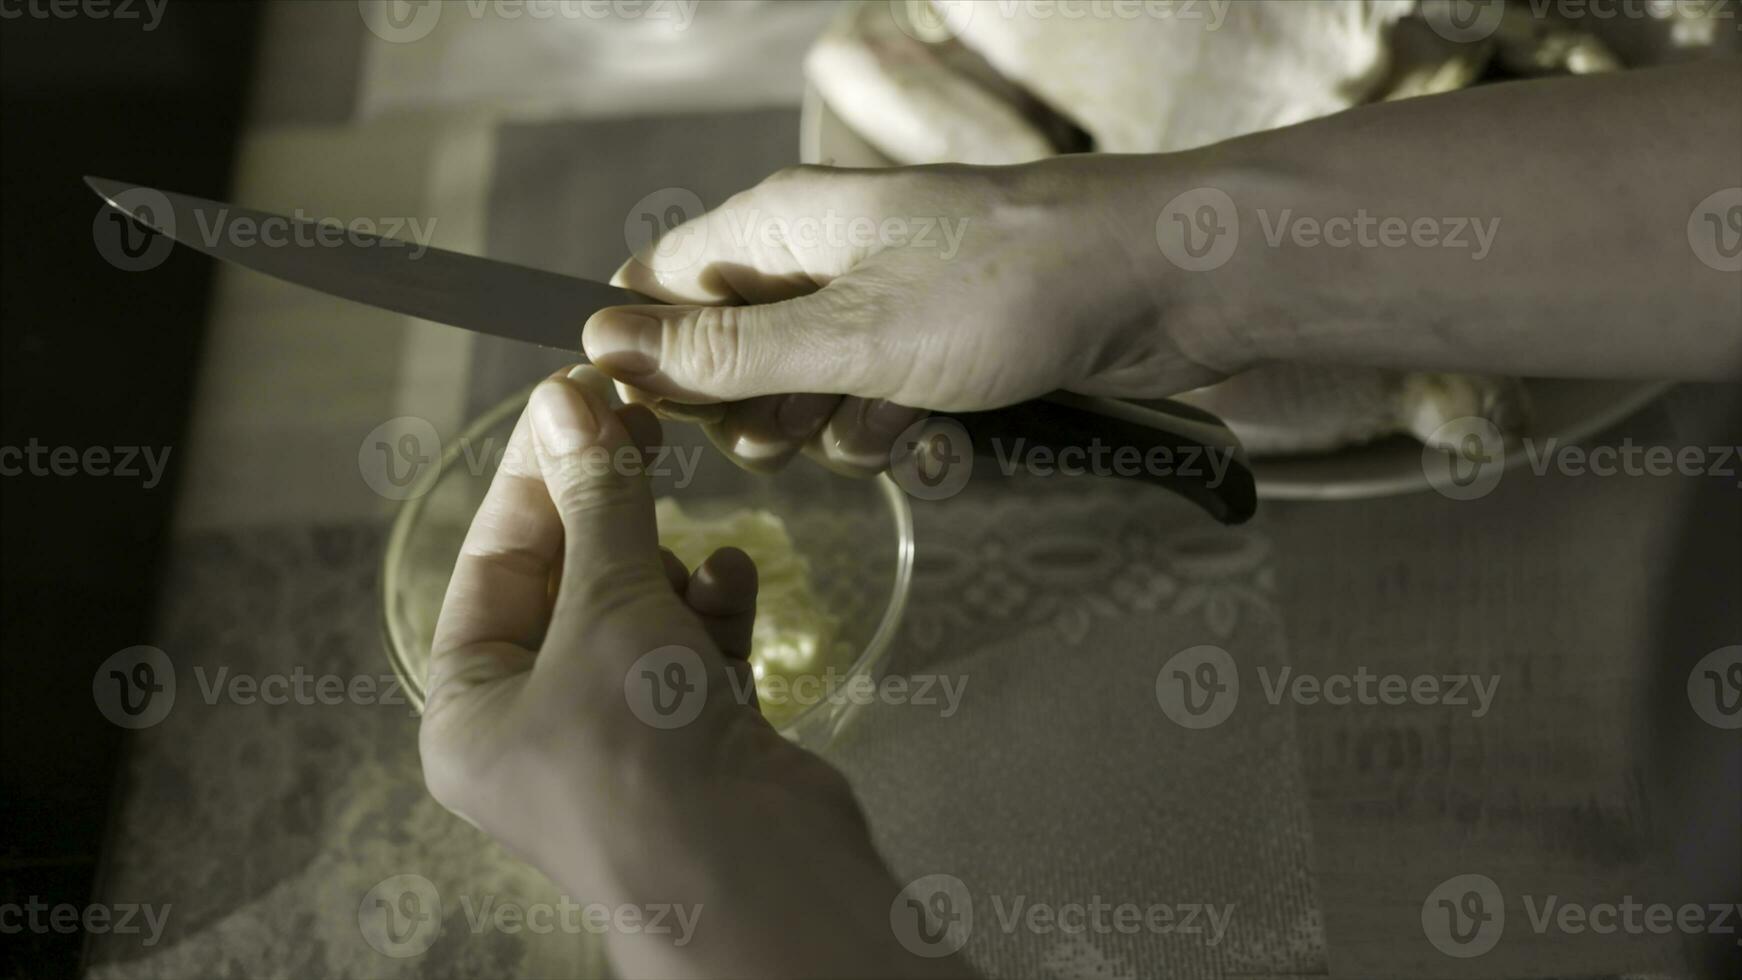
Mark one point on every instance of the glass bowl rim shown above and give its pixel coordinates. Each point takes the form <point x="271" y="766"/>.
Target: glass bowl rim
<point x="398" y="646"/>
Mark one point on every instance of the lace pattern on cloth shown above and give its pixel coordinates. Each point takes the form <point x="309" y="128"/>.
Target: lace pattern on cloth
<point x="1059" y="782"/>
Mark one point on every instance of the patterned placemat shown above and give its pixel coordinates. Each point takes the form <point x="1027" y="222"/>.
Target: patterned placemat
<point x="1094" y="812"/>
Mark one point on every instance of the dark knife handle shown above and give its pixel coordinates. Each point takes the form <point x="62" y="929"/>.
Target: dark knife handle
<point x="1157" y="442"/>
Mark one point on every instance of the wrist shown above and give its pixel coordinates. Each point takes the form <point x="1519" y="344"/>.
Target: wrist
<point x="1186" y="250"/>
<point x="1223" y="289"/>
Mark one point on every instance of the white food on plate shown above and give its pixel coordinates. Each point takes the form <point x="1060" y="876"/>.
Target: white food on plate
<point x="1283" y="408"/>
<point x="905" y="97"/>
<point x="1148" y="84"/>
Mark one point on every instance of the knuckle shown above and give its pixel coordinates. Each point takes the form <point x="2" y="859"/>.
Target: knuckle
<point x="592" y="486"/>
<point x="717" y="347"/>
<point x="906" y="188"/>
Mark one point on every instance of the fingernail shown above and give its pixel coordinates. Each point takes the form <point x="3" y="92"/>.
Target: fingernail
<point x="885" y="418"/>
<point x="800" y="415"/>
<point x="593" y="381"/>
<point x="623" y="343"/>
<point x="701" y="414"/>
<point x="631" y="395"/>
<point x="563" y="418"/>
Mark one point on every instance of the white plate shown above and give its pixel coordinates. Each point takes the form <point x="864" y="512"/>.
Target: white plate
<point x="1564" y="410"/>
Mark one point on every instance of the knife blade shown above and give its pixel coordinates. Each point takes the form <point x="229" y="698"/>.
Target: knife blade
<point x="520" y="303"/>
<point x="483" y="295"/>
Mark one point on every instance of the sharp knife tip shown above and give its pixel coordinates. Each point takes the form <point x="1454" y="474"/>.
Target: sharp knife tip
<point x="107" y="189"/>
<point x="145" y="205"/>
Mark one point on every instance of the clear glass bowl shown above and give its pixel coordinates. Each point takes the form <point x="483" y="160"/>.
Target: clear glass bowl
<point x="856" y="535"/>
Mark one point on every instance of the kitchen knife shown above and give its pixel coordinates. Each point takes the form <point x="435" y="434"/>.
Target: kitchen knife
<point x="1158" y="442"/>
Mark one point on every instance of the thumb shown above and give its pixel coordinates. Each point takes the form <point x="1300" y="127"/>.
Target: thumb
<point x="592" y="468"/>
<point x="616" y="617"/>
<point x="813" y="343"/>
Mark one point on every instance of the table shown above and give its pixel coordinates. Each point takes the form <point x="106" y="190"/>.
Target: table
<point x="269" y="828"/>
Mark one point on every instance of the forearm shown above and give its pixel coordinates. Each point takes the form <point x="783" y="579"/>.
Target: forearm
<point x="1533" y="228"/>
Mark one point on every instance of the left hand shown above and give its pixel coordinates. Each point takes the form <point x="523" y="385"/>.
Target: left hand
<point x="542" y="726"/>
